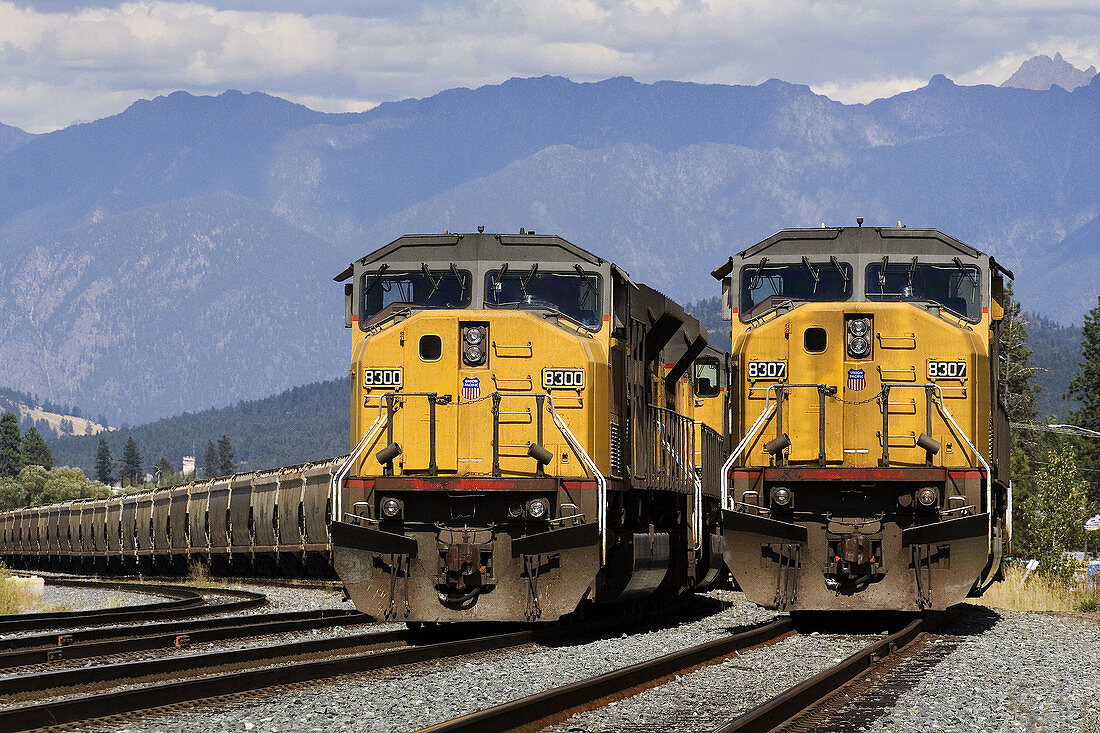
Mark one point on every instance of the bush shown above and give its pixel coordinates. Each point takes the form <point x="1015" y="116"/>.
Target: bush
<point x="1051" y="516"/>
<point x="1088" y="604"/>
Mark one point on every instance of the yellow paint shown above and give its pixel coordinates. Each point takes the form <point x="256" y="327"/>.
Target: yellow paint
<point x="519" y="346"/>
<point x="905" y="338"/>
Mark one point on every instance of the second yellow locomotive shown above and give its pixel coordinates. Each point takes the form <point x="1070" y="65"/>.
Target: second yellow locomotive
<point x="531" y="431"/>
<point x="871" y="465"/>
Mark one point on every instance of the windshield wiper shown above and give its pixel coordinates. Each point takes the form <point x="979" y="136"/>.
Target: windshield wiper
<point x="461" y="282"/>
<point x="496" y="281"/>
<point x="375" y="278"/>
<point x="816" y="275"/>
<point x="840" y="268"/>
<point x="759" y="273"/>
<point x="882" y="274"/>
<point x="968" y="273"/>
<point x="434" y="281"/>
<point x="588" y="287"/>
<point x="524" y="281"/>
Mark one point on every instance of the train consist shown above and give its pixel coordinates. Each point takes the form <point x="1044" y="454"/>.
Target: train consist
<point x="263" y="522"/>
<point x="532" y="431"/>
<point x="871" y="465"/>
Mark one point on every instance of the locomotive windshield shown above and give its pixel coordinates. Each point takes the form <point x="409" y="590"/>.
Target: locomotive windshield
<point x="573" y="295"/>
<point x="424" y="288"/>
<point x="954" y="286"/>
<point x="765" y="286"/>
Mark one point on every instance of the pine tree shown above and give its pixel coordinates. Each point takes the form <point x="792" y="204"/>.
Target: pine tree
<point x="1016" y="371"/>
<point x="11" y="454"/>
<point x="104" y="463"/>
<point x="165" y="469"/>
<point x="131" y="462"/>
<point x="1085" y="388"/>
<point x="226" y="466"/>
<point x="210" y="460"/>
<point x="35" y="450"/>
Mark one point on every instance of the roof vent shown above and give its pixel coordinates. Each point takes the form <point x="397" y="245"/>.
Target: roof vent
<point x="481" y="229"/>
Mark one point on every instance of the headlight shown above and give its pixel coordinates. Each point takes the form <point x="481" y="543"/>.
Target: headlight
<point x="473" y="335"/>
<point x="859" y="346"/>
<point x="536" y="509"/>
<point x="859" y="337"/>
<point x="927" y="496"/>
<point x="391" y="507"/>
<point x="781" y="497"/>
<point x="473" y="355"/>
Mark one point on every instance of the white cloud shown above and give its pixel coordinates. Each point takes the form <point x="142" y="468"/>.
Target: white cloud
<point x="71" y="62"/>
<point x="861" y="92"/>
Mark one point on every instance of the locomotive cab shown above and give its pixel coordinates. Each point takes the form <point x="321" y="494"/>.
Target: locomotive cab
<point x="871" y="465"/>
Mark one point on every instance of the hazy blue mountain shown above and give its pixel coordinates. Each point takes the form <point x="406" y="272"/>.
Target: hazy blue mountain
<point x="1039" y="72"/>
<point x="193" y="302"/>
<point x="11" y="138"/>
<point x="179" y="255"/>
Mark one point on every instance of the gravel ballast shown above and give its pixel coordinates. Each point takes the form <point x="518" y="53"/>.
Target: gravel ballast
<point x="709" y="697"/>
<point x="413" y="699"/>
<point x="61" y="598"/>
<point x="1011" y="671"/>
<point x="1008" y="671"/>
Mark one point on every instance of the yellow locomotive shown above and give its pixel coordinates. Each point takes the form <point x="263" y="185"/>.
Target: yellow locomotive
<point x="531" y="431"/>
<point x="871" y="465"/>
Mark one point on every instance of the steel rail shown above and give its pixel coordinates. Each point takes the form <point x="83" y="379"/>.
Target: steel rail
<point x="156" y="695"/>
<point x="185" y="601"/>
<point x="103" y="633"/>
<point x="556" y="704"/>
<point x="197" y="632"/>
<point x="780" y="709"/>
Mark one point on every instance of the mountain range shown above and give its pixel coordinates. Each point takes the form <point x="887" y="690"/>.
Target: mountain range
<point x="1041" y="72"/>
<point x="179" y="255"/>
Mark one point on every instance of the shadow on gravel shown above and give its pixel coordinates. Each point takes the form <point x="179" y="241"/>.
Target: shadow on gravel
<point x="971" y="620"/>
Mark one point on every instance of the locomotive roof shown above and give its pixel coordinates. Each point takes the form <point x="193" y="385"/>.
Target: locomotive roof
<point x="856" y="241"/>
<point x="447" y="248"/>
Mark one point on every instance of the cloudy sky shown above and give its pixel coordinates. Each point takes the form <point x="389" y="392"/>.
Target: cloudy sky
<point x="63" y="61"/>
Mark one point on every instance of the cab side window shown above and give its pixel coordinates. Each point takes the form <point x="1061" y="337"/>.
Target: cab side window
<point x="707" y="383"/>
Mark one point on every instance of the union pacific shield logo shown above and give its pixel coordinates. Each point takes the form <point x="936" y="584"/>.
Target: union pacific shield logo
<point x="857" y="379"/>
<point x="471" y="388"/>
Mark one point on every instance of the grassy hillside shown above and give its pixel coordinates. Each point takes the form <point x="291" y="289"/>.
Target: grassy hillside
<point x="300" y="424"/>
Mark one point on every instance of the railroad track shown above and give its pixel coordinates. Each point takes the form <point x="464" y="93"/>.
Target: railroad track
<point x="181" y="601"/>
<point x="107" y="691"/>
<point x="211" y="582"/>
<point x="96" y="642"/>
<point x="795" y="710"/>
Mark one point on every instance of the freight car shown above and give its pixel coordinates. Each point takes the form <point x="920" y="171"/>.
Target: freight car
<point x="531" y="432"/>
<point x="871" y="465"/>
<point x="264" y="522"/>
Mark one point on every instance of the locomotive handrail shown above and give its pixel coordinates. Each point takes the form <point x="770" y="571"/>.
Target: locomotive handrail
<point x="940" y="404"/>
<point x="696" y="515"/>
<point x="761" y="420"/>
<point x="601" y="482"/>
<point x="338" y="477"/>
<point x="962" y="434"/>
